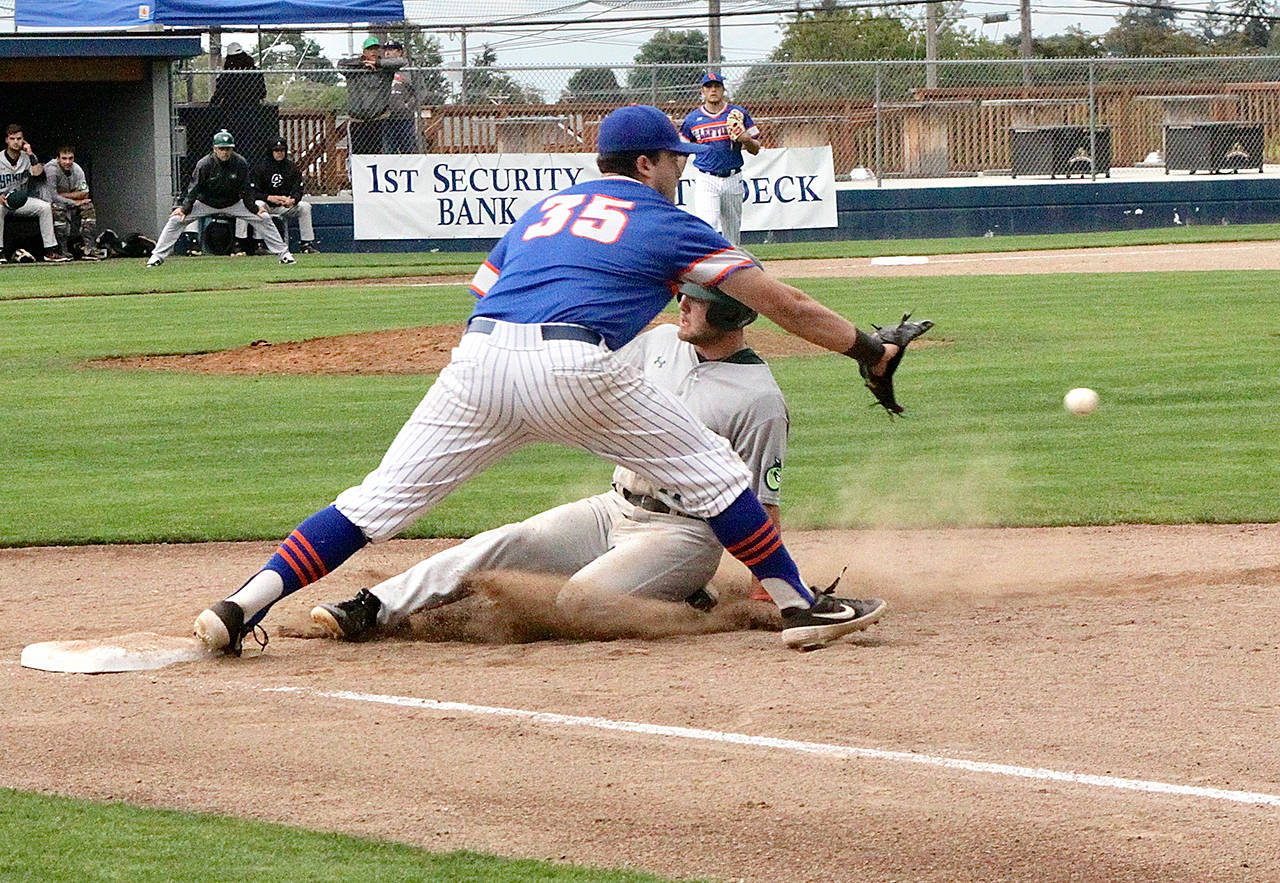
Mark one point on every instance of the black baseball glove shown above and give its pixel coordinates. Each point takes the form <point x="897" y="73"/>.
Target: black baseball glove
<point x="900" y="335"/>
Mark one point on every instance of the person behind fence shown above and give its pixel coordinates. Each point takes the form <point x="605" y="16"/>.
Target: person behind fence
<point x="219" y="186"/>
<point x="18" y="166"/>
<point x="277" y="187"/>
<point x="401" y="130"/>
<point x="235" y="88"/>
<point x="67" y="191"/>
<point x="369" y="78"/>
<point x="726" y="129"/>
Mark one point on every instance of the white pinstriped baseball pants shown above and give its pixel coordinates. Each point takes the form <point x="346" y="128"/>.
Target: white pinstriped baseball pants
<point x="510" y="388"/>
<point x="718" y="201"/>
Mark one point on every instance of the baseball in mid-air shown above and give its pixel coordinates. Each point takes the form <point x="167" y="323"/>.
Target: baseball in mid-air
<point x="1081" y="401"/>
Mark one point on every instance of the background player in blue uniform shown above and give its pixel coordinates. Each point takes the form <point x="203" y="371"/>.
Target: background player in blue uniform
<point x="577" y="276"/>
<point x="726" y="130"/>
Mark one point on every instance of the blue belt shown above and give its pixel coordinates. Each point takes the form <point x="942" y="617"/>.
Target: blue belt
<point x="481" y="325"/>
<point x="727" y="174"/>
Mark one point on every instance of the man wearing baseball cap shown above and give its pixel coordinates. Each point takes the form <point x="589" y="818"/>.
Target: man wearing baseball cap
<point x="576" y="277"/>
<point x="219" y="186"/>
<point x="727" y="129"/>
<point x="400" y="134"/>
<point x="369" y="77"/>
<point x="277" y="187"/>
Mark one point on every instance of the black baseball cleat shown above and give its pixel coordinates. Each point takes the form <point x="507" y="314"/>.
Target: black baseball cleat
<point x="222" y="628"/>
<point x="354" y="620"/>
<point x="309" y="248"/>
<point x="704" y="599"/>
<point x="829" y="619"/>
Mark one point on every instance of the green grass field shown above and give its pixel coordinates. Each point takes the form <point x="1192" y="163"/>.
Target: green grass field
<point x="53" y="840"/>
<point x="1185" y="363"/>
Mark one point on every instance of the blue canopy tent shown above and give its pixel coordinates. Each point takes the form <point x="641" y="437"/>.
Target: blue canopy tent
<point x="109" y="14"/>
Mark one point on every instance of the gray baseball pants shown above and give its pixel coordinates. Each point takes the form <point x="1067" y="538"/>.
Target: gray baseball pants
<point x="173" y="227"/>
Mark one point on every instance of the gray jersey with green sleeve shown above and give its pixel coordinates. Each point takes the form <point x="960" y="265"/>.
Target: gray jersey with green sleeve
<point x="57" y="181"/>
<point x="737" y="398"/>
<point x="13" y="174"/>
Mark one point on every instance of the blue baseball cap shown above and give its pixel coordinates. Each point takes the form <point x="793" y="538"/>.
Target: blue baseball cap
<point x="640" y="128"/>
<point x="712" y="77"/>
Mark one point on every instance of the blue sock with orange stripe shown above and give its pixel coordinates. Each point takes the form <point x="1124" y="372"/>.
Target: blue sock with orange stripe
<point x="746" y="531"/>
<point x="315" y="547"/>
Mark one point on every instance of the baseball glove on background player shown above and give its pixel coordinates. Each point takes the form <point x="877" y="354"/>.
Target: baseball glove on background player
<point x="870" y="349"/>
<point x="737" y="125"/>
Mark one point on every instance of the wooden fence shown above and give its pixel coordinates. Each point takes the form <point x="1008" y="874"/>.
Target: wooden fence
<point x="958" y="130"/>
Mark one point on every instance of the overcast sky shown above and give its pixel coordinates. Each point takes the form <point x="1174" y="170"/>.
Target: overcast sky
<point x="744" y="39"/>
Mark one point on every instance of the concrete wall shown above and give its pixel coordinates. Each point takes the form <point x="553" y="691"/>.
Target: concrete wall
<point x="941" y="212"/>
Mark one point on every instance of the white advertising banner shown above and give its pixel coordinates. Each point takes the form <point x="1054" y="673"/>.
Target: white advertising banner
<point x="465" y="196"/>
<point x="787" y="188"/>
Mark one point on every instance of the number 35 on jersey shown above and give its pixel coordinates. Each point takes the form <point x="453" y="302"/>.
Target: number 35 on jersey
<point x="602" y="219"/>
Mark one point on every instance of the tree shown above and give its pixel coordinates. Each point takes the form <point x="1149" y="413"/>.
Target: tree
<point x="1209" y="26"/>
<point x="594" y="84"/>
<point x="833" y="34"/>
<point x="682" y="54"/>
<point x="1255" y="26"/>
<point x="291" y="50"/>
<point x="482" y="84"/>
<point x="1149" y="29"/>
<point x="424" y="54"/>
<point x="1074" y="43"/>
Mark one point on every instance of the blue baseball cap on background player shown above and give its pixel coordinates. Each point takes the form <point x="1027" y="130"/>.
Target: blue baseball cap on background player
<point x="712" y="77"/>
<point x="640" y="128"/>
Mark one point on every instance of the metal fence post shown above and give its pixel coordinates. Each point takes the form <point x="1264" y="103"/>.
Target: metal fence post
<point x="879" y="132"/>
<point x="1093" y="127"/>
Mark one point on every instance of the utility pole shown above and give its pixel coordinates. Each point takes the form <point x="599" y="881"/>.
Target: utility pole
<point x="1024" y="48"/>
<point x="713" y="34"/>
<point x="463" y="69"/>
<point x="931" y="45"/>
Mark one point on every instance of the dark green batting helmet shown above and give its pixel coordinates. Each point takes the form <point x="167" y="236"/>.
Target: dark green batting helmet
<point x="723" y="311"/>
<point x="16" y="199"/>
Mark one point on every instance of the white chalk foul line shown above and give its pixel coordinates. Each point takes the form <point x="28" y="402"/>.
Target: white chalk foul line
<point x="819" y="748"/>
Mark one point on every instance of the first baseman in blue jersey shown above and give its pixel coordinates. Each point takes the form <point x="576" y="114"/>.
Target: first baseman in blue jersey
<point x="577" y="276"/>
<point x="726" y="130"/>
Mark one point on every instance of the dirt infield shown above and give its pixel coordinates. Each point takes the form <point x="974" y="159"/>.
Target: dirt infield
<point x="1139" y="653"/>
<point x="1126" y="259"/>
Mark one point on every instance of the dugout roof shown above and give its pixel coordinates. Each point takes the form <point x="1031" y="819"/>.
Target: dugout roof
<point x="115" y="45"/>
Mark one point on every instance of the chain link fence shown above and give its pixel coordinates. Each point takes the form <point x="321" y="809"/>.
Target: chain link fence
<point x="888" y="119"/>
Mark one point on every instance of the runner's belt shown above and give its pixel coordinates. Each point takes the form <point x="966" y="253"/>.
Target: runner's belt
<point x="481" y="325"/>
<point x="652" y="504"/>
<point x="727" y="174"/>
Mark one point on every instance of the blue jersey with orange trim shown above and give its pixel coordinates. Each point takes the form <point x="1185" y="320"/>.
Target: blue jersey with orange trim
<point x="605" y="254"/>
<point x="702" y="127"/>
